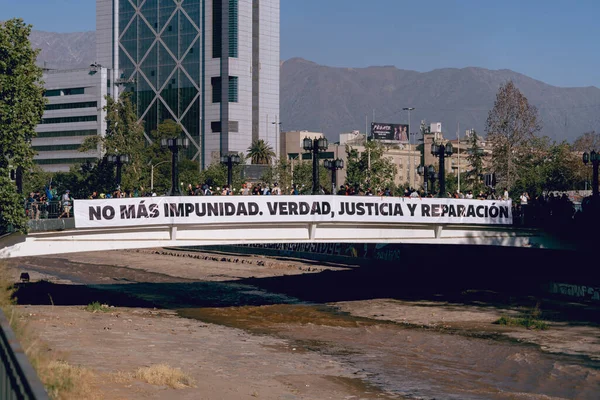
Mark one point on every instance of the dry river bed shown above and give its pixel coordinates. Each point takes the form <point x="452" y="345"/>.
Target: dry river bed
<point x="247" y="327"/>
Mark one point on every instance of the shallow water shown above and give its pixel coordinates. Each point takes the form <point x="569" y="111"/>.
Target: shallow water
<point x="419" y="363"/>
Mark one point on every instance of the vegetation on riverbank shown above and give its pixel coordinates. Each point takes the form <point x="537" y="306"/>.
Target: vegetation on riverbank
<point x="530" y="320"/>
<point x="63" y="380"/>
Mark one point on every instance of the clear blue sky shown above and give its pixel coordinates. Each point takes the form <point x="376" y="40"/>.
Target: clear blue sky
<point x="555" y="41"/>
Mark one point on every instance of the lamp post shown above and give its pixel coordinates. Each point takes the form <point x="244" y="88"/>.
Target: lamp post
<point x="174" y="144"/>
<point x="152" y="173"/>
<point x="230" y="160"/>
<point x="428" y="173"/>
<point x="119" y="160"/>
<point x="315" y="146"/>
<point x="594" y="158"/>
<point x="412" y="167"/>
<point x="333" y="165"/>
<point x="442" y="151"/>
<point x="277" y="133"/>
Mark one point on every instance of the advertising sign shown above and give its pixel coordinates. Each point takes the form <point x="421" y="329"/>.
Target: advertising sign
<point x="391" y="132"/>
<point x="235" y="210"/>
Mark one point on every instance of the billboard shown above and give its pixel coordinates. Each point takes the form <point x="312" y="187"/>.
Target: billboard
<point x="391" y="132"/>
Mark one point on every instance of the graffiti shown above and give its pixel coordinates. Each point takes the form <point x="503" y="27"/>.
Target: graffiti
<point x="581" y="291"/>
<point x="377" y="251"/>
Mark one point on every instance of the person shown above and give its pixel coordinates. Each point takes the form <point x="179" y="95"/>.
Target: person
<point x="276" y="190"/>
<point x="65" y="201"/>
<point x="245" y="190"/>
<point x="294" y="190"/>
<point x="524" y="198"/>
<point x="505" y="194"/>
<point x="469" y="195"/>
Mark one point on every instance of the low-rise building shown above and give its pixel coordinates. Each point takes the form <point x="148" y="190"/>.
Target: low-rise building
<point x="74" y="111"/>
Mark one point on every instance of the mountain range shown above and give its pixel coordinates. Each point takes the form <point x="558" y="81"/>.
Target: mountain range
<point x="334" y="100"/>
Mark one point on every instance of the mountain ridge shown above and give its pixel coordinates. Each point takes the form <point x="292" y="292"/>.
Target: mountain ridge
<point x="338" y="99"/>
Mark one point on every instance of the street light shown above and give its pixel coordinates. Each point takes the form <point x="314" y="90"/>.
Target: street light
<point x="230" y="160"/>
<point x="119" y="160"/>
<point x="427" y="172"/>
<point x="174" y="144"/>
<point x="594" y="158"/>
<point x="152" y="174"/>
<point x="333" y="165"/>
<point x="412" y="167"/>
<point x="315" y="146"/>
<point x="442" y="151"/>
<point x="278" y="133"/>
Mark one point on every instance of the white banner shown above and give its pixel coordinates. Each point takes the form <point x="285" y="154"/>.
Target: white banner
<point x="139" y="211"/>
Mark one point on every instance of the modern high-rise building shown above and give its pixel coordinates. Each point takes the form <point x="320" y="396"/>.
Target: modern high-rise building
<point x="211" y="65"/>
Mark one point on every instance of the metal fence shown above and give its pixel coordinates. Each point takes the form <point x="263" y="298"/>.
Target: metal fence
<point x="43" y="210"/>
<point x="18" y="379"/>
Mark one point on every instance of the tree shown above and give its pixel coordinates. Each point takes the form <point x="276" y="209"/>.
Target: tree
<point x="587" y="142"/>
<point x="260" y="152"/>
<point x="510" y="127"/>
<point x="124" y="135"/>
<point x="475" y="156"/>
<point x="370" y="168"/>
<point x="21" y="108"/>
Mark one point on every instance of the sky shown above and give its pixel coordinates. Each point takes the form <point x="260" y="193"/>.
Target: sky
<point x="555" y="41"/>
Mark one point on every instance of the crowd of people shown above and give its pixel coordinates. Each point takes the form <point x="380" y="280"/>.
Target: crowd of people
<point x="48" y="204"/>
<point x="541" y="210"/>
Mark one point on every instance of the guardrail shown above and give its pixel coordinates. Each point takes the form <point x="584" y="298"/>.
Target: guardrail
<point x="18" y="379"/>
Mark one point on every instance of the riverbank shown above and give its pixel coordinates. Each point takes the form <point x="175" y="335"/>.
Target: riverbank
<point x="237" y="342"/>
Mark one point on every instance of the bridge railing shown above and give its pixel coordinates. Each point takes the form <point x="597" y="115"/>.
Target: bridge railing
<point x="18" y="379"/>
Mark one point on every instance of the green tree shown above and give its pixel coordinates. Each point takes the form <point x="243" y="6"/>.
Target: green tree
<point x="511" y="125"/>
<point x="21" y="108"/>
<point x="370" y="168"/>
<point x="475" y="155"/>
<point x="124" y="135"/>
<point x="260" y="152"/>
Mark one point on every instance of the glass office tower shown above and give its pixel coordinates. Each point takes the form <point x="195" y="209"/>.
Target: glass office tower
<point x="170" y="55"/>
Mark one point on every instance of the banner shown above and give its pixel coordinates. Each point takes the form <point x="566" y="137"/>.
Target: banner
<point x="197" y="210"/>
<point x="391" y="132"/>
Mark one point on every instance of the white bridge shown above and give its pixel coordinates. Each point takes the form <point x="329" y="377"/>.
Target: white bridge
<point x="131" y="223"/>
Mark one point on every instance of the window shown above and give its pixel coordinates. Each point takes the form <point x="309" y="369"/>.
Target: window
<point x="67" y="106"/>
<point x="89" y="132"/>
<point x="233" y="126"/>
<point x="218" y="30"/>
<point x="85" y="118"/>
<point x="57" y="147"/>
<point x="233" y="89"/>
<point x="63" y="92"/>
<point x="64" y="161"/>
<point x="215" y="126"/>
<point x="217" y="36"/>
<point x="215" y="82"/>
<point x="233" y="28"/>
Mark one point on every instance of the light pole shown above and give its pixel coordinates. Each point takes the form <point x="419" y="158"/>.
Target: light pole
<point x="278" y="133"/>
<point x="174" y="144"/>
<point x="333" y="165"/>
<point x="594" y="158"/>
<point x="230" y="160"/>
<point x="412" y="167"/>
<point x="152" y="174"/>
<point x="315" y="146"/>
<point x="428" y="173"/>
<point x="119" y="160"/>
<point x="442" y="151"/>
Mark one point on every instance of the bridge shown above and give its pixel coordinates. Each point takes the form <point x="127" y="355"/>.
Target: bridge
<point x="131" y="223"/>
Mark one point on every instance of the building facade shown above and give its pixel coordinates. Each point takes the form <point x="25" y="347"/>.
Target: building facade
<point x="74" y="111"/>
<point x="210" y="65"/>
